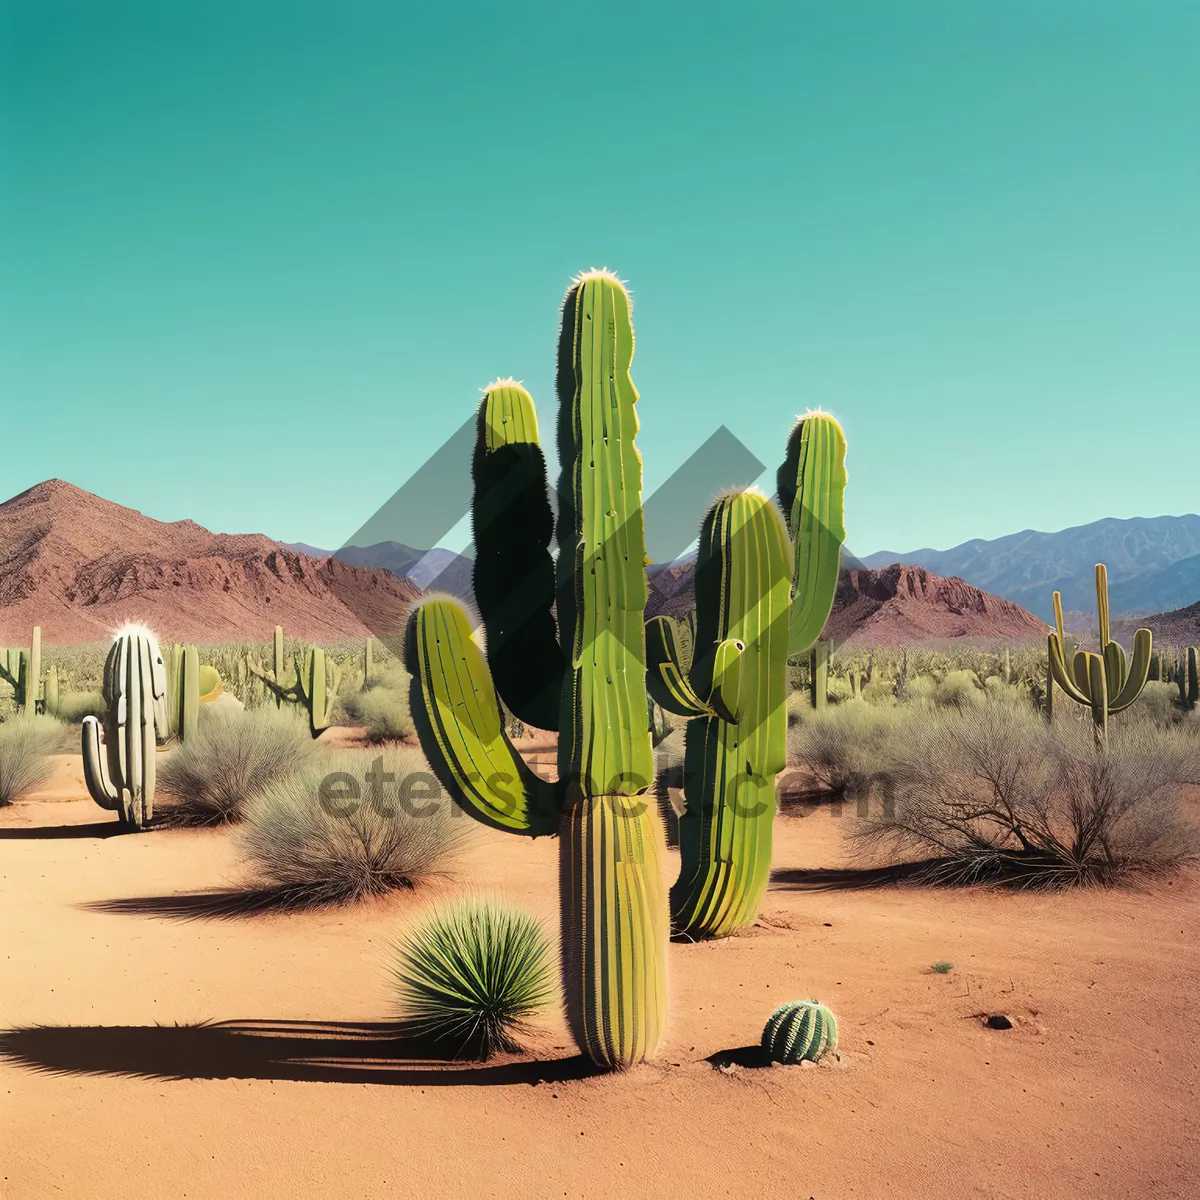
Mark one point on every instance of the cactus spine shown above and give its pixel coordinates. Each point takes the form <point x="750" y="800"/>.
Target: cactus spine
<point x="121" y="776"/>
<point x="802" y="1029"/>
<point x="593" y="690"/>
<point x="1104" y="682"/>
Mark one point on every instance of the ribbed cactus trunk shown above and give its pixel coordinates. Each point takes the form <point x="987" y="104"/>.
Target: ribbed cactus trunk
<point x="120" y="774"/>
<point x="614" y="912"/>
<point x="725" y="833"/>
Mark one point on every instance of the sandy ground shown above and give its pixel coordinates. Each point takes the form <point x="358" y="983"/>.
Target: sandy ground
<point x="109" y="1090"/>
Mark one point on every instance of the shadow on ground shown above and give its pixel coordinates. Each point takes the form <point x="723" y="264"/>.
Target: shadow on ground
<point x="314" y="1051"/>
<point x="739" y="1056"/>
<point x="847" y="879"/>
<point x="37" y="833"/>
<point x="194" y="906"/>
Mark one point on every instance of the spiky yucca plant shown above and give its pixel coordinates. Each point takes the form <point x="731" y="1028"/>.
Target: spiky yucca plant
<point x="473" y="974"/>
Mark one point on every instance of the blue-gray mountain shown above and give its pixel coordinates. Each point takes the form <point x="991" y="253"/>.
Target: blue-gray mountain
<point x="437" y="569"/>
<point x="1153" y="564"/>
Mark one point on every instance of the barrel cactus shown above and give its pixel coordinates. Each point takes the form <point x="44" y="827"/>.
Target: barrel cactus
<point x="120" y="771"/>
<point x="800" y="1030"/>
<point x="591" y="686"/>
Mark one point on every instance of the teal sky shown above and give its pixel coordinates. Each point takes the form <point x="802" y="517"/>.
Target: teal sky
<point x="257" y="258"/>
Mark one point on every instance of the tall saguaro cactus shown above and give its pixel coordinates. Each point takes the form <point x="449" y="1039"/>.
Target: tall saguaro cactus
<point x="121" y="775"/>
<point x="590" y="683"/>
<point x="1104" y="682"/>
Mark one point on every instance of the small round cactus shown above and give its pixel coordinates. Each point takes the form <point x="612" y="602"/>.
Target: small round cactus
<point x="799" y="1030"/>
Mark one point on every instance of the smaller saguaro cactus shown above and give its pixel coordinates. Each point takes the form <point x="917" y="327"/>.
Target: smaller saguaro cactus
<point x="1104" y="682"/>
<point x="1188" y="679"/>
<point x="818" y="673"/>
<point x="50" y="693"/>
<point x="121" y="776"/>
<point x="315" y="688"/>
<point x="799" y="1030"/>
<point x="22" y="670"/>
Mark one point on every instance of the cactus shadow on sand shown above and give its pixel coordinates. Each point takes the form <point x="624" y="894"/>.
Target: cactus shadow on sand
<point x="50" y="833"/>
<point x="313" y="1051"/>
<point x="848" y="879"/>
<point x="228" y="903"/>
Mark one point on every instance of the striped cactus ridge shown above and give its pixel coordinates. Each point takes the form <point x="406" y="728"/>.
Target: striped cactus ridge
<point x="799" y="1030"/>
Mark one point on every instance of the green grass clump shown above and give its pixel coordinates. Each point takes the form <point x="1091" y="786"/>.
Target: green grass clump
<point x="348" y="824"/>
<point x="473" y="974"/>
<point x="26" y="742"/>
<point x="941" y="967"/>
<point x="232" y="757"/>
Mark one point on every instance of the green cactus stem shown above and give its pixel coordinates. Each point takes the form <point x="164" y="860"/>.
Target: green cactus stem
<point x="818" y="675"/>
<point x="21" y="670"/>
<point x="315" y="685"/>
<point x="120" y="770"/>
<point x="812" y="482"/>
<point x="730" y="762"/>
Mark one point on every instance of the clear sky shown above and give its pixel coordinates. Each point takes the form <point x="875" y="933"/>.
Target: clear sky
<point x="258" y="257"/>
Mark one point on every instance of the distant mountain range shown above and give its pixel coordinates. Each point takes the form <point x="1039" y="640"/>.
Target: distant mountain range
<point x="79" y="566"/>
<point x="437" y="569"/>
<point x="1153" y="564"/>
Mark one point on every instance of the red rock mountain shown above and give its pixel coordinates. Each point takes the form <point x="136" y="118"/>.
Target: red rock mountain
<point x="901" y="604"/>
<point x="889" y="607"/>
<point x="80" y="566"/>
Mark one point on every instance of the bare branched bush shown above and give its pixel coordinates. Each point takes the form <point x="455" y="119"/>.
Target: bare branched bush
<point x="233" y="757"/>
<point x="26" y="743"/>
<point x="997" y="795"/>
<point x="350" y="824"/>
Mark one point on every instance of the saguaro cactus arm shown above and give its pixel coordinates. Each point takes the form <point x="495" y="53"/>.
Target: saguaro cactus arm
<point x="812" y="482"/>
<point x="514" y="572"/>
<point x="461" y="727"/>
<point x="95" y="772"/>
<point x="668" y="680"/>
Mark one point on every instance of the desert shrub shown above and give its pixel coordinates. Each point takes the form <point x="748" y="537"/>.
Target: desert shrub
<point x="1157" y="704"/>
<point x="799" y="705"/>
<point x="845" y="748"/>
<point x="383" y="710"/>
<point x="918" y="689"/>
<point x="74" y="706"/>
<point x="880" y="691"/>
<point x="999" y="795"/>
<point x="473" y="974"/>
<point x="999" y="692"/>
<point x="838" y="689"/>
<point x="959" y="690"/>
<point x="233" y="757"/>
<point x="26" y="742"/>
<point x="349" y="824"/>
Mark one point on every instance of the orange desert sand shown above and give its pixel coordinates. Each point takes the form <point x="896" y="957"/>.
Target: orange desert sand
<point x="292" y="1087"/>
